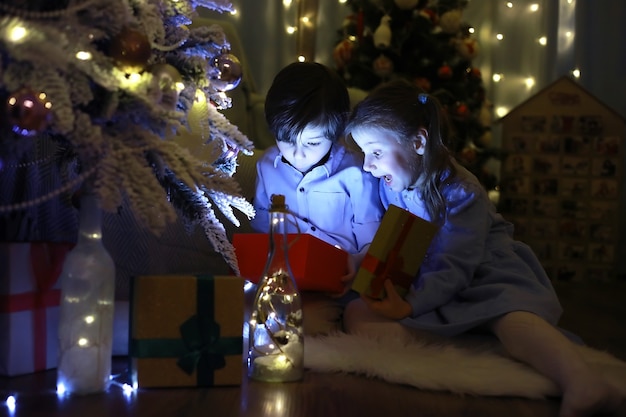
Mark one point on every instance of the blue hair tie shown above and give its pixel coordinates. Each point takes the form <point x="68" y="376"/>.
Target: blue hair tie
<point x="422" y="98"/>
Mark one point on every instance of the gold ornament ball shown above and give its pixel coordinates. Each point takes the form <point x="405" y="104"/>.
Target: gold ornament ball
<point x="28" y="112"/>
<point x="229" y="72"/>
<point x="130" y="49"/>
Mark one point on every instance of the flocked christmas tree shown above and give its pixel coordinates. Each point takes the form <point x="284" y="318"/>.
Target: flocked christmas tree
<point x="112" y="84"/>
<point x="428" y="43"/>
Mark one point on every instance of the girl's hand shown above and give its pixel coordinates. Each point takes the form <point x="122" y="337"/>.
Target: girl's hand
<point x="392" y="306"/>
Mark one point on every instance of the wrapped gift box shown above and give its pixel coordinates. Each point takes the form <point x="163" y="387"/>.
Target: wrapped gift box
<point x="396" y="252"/>
<point x="186" y="330"/>
<point x="316" y="265"/>
<point x="29" y="305"/>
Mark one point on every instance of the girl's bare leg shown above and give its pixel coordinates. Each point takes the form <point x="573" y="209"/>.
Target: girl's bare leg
<point x="530" y="339"/>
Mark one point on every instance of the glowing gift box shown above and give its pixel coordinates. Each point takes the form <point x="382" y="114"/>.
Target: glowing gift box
<point x="316" y="265"/>
<point x="396" y="252"/>
<point x="29" y="305"/>
<point x="186" y="330"/>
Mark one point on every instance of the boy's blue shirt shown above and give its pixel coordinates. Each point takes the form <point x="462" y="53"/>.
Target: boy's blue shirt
<point x="337" y="201"/>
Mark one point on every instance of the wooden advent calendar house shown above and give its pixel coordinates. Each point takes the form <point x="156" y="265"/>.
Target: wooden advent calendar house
<point x="561" y="182"/>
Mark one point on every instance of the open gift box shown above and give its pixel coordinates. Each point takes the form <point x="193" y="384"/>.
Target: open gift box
<point x="316" y="265"/>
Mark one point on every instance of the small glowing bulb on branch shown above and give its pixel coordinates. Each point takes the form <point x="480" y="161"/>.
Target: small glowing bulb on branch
<point x="576" y="73"/>
<point x="83" y="342"/>
<point x="291" y="30"/>
<point x="497" y="77"/>
<point x="543" y="41"/>
<point x="530" y="82"/>
<point x="301" y="58"/>
<point x="89" y="319"/>
<point x="83" y="55"/>
<point x="17" y="33"/>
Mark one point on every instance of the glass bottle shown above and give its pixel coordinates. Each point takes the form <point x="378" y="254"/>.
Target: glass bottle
<point x="276" y="343"/>
<point x="86" y="309"/>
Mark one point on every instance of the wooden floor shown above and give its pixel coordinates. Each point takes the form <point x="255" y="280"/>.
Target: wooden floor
<point x="598" y="314"/>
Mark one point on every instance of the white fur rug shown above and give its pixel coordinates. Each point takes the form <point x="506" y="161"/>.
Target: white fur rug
<point x="471" y="366"/>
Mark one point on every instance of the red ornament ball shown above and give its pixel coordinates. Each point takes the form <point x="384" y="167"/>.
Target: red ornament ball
<point x="383" y="66"/>
<point x="474" y="73"/>
<point x="423" y="83"/>
<point x="130" y="49"/>
<point x="342" y="54"/>
<point x="229" y="72"/>
<point x="462" y="110"/>
<point x="445" y="72"/>
<point x="28" y="112"/>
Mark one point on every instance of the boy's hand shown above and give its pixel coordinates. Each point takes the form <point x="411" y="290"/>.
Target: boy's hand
<point x="392" y="306"/>
<point x="347" y="279"/>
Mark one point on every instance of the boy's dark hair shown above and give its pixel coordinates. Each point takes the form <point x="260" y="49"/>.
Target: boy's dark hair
<point x="303" y="94"/>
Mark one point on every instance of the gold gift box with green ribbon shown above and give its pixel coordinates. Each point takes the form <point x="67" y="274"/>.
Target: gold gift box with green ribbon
<point x="186" y="330"/>
<point x="396" y="253"/>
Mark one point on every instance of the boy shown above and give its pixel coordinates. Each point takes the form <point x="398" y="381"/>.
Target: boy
<point x="323" y="182"/>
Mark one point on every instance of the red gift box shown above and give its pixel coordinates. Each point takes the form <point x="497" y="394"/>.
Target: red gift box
<point x="316" y="265"/>
<point x="29" y="305"/>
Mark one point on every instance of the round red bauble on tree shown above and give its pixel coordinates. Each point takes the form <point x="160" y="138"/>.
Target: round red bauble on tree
<point x="28" y="112"/>
<point x="462" y="110"/>
<point x="445" y="72"/>
<point x="423" y="83"/>
<point x="474" y="73"/>
<point x="342" y="54"/>
<point x="383" y="66"/>
<point x="130" y="49"/>
<point x="229" y="71"/>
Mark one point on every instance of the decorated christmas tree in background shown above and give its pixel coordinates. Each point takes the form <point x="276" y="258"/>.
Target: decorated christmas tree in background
<point x="111" y="83"/>
<point x="429" y="44"/>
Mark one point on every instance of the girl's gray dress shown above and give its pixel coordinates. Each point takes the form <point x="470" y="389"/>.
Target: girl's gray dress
<point x="474" y="271"/>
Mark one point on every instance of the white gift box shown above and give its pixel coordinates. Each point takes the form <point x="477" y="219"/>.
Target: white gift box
<point x="29" y="305"/>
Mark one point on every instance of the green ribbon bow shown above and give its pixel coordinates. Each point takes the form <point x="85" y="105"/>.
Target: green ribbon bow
<point x="200" y="348"/>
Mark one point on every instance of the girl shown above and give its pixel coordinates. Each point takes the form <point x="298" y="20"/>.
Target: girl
<point x="475" y="277"/>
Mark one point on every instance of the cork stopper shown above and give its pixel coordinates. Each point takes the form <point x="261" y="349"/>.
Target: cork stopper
<point x="278" y="203"/>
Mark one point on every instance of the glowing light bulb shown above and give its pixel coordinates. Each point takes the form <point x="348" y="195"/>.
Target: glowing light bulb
<point x="534" y="7"/>
<point x="497" y="77"/>
<point x="61" y="389"/>
<point x="89" y="319"/>
<point x="499" y="36"/>
<point x="509" y="5"/>
<point x="291" y="30"/>
<point x="501" y="111"/>
<point x="17" y="33"/>
<point x="530" y="82"/>
<point x="543" y="41"/>
<point x="10" y="402"/>
<point x="301" y="58"/>
<point x="83" y="55"/>
<point x="83" y="342"/>
<point x="576" y="73"/>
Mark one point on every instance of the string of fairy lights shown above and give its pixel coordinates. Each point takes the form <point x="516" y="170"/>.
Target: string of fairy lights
<point x="515" y="39"/>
